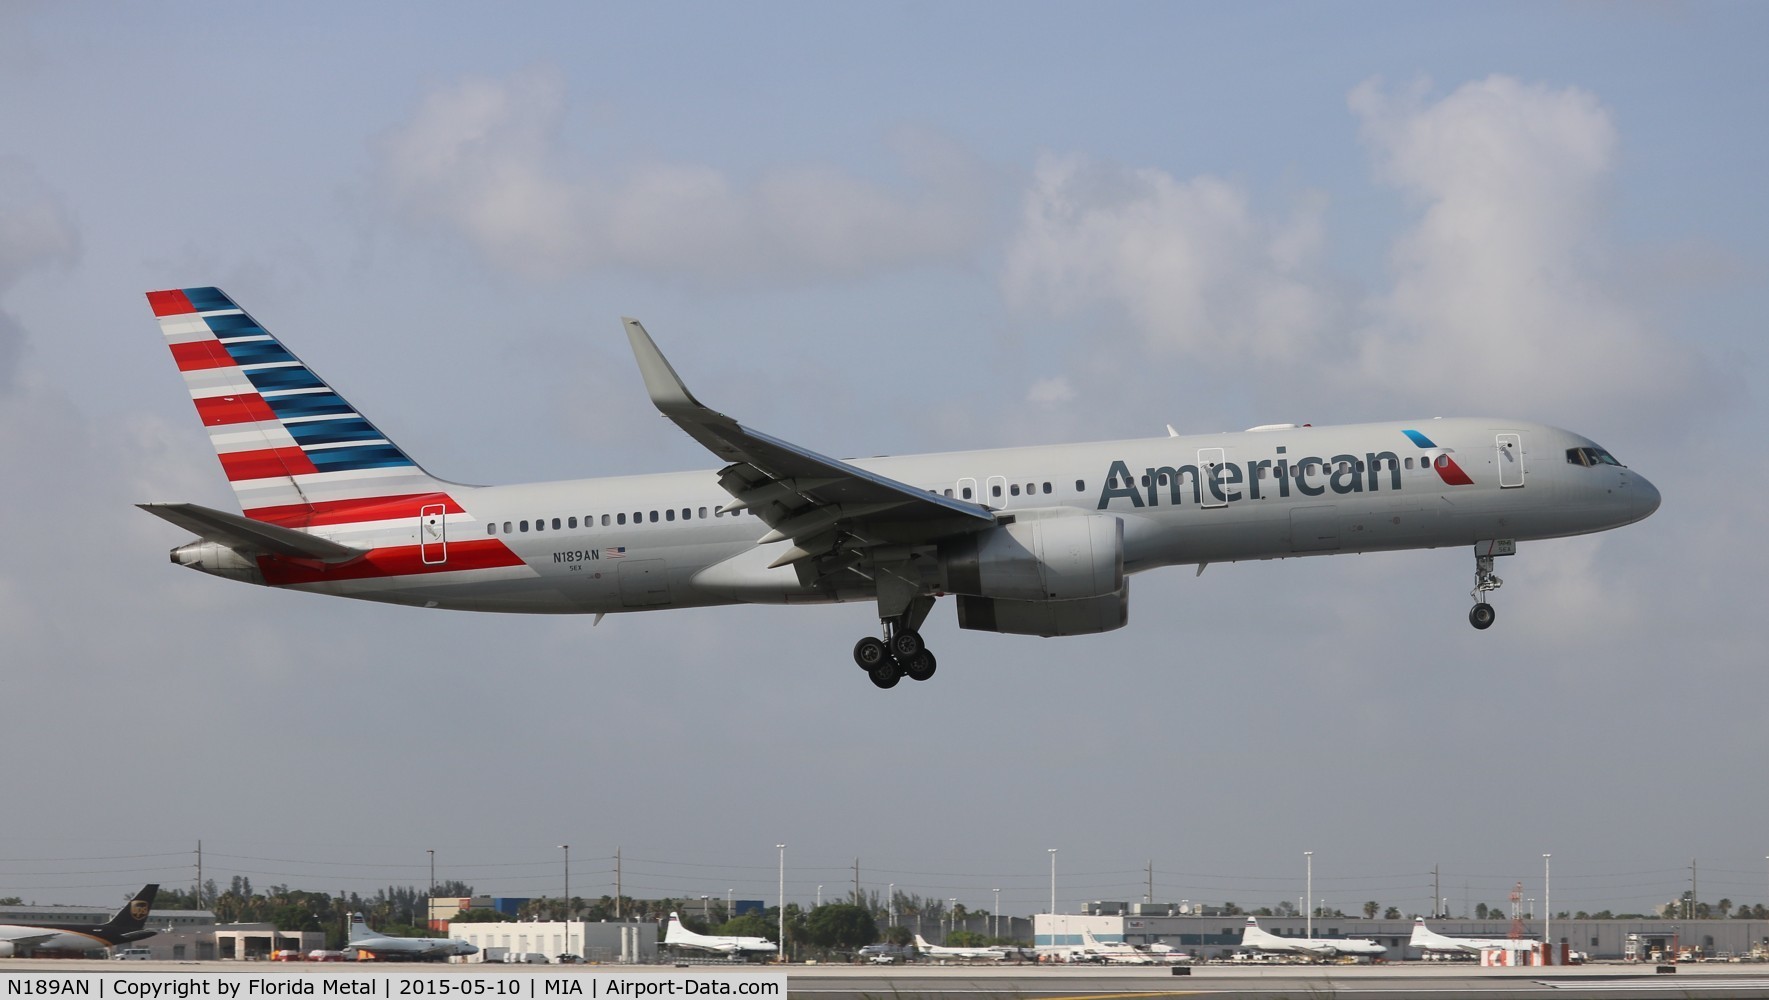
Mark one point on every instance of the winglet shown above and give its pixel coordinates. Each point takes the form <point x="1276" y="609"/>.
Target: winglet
<point x="661" y="381"/>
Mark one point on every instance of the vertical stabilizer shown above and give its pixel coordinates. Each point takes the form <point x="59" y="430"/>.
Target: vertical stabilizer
<point x="294" y="450"/>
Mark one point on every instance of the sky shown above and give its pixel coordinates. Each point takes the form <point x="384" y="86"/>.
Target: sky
<point x="886" y="229"/>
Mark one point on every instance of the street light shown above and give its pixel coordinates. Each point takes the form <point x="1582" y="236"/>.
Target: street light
<point x="952" y="910"/>
<point x="891" y="902"/>
<point x="997" y="922"/>
<point x="1052" y="851"/>
<point x="1308" y="894"/>
<point x="430" y="904"/>
<point x="819" y="896"/>
<point x="782" y="848"/>
<point x="1548" y="906"/>
<point x="567" y="849"/>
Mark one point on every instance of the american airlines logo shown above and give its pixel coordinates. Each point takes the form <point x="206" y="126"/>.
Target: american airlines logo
<point x="1310" y="476"/>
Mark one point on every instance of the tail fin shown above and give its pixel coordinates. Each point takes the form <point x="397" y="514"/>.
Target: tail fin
<point x="921" y="943"/>
<point x="127" y="923"/>
<point x="293" y="449"/>
<point x="674" y="931"/>
<point x="359" y="929"/>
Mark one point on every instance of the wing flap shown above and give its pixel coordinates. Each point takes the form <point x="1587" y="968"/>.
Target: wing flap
<point x="246" y="534"/>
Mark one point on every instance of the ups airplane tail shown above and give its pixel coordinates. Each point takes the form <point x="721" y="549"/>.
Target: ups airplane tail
<point x="130" y="922"/>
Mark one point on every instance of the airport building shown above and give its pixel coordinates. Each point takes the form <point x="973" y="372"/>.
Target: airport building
<point x="1218" y="935"/>
<point x="591" y="941"/>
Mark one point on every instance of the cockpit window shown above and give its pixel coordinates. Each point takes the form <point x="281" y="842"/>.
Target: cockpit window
<point x="1590" y="457"/>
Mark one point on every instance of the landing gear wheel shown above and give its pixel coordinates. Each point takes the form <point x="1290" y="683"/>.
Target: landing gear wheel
<point x="906" y="645"/>
<point x="921" y="667"/>
<point x="870" y="652"/>
<point x="886" y="674"/>
<point x="1482" y="616"/>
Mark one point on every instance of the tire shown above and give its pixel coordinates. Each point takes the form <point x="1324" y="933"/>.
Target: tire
<point x="920" y="668"/>
<point x="870" y="652"/>
<point x="886" y="674"/>
<point x="906" y="645"/>
<point x="1482" y="615"/>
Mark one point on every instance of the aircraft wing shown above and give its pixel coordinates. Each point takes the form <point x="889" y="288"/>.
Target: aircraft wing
<point x="255" y="536"/>
<point x="29" y="940"/>
<point x="820" y="503"/>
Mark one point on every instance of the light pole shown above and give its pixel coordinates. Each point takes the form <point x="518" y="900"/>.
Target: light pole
<point x="706" y="912"/>
<point x="997" y="932"/>
<point x="819" y="897"/>
<point x="567" y="849"/>
<point x="1308" y="894"/>
<point x="952" y="918"/>
<point x="1052" y="851"/>
<point x="891" y="903"/>
<point x="1548" y="906"/>
<point x="729" y="893"/>
<point x="782" y="848"/>
<point x="430" y="904"/>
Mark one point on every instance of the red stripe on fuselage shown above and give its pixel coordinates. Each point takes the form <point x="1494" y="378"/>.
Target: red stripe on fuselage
<point x="171" y="302"/>
<point x="267" y="463"/>
<point x="198" y="355"/>
<point x="242" y="409"/>
<point x="391" y="561"/>
<point x="354" y="511"/>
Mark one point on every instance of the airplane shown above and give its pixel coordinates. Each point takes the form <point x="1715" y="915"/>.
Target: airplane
<point x="1115" y="952"/>
<point x="1426" y="939"/>
<point x="679" y="936"/>
<point x="369" y="946"/>
<point x="1028" y="541"/>
<point x="943" y="951"/>
<point x="1253" y="936"/>
<point x="127" y="924"/>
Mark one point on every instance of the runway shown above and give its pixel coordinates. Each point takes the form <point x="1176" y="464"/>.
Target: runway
<point x="1385" y="982"/>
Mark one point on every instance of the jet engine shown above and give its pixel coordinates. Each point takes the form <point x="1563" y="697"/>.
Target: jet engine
<point x="217" y="559"/>
<point x="1046" y="618"/>
<point x="1054" y="558"/>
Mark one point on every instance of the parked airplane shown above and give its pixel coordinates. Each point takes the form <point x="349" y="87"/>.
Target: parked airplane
<point x="1116" y="952"/>
<point x="127" y="924"/>
<point x="679" y="936"/>
<point x="944" y="951"/>
<point x="368" y="945"/>
<point x="1030" y="541"/>
<point x="1426" y="939"/>
<point x="1253" y="936"/>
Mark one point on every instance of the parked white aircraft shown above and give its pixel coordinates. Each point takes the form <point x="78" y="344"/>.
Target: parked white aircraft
<point x="127" y="924"/>
<point x="369" y="945"/>
<point x="679" y="936"/>
<point x="1426" y="939"/>
<point x="1116" y="952"/>
<point x="1254" y="936"/>
<point x="1031" y="541"/>
<point x="944" y="951"/>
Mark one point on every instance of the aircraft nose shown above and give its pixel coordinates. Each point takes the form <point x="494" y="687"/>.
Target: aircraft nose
<point x="1646" y="498"/>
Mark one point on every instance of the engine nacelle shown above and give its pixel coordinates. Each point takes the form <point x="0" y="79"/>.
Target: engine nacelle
<point x="7" y="950"/>
<point x="1046" y="618"/>
<point x="1061" y="558"/>
<point x="217" y="559"/>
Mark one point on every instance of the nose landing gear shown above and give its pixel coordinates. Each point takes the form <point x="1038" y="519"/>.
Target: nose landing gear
<point x="1485" y="581"/>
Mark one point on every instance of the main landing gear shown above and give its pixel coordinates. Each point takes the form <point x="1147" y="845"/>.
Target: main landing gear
<point x="900" y="652"/>
<point x="1482" y="614"/>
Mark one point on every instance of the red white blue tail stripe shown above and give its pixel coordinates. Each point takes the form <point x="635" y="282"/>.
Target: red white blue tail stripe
<point x="295" y="451"/>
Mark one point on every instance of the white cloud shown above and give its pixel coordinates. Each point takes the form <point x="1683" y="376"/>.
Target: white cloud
<point x="1050" y="392"/>
<point x="489" y="160"/>
<point x="1501" y="292"/>
<point x="1190" y="263"/>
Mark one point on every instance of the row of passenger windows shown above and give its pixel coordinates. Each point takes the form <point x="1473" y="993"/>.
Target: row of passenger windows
<point x="610" y="520"/>
<point x="963" y="493"/>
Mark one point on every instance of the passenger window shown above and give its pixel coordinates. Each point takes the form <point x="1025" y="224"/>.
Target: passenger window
<point x="1046" y="489"/>
<point x="604" y="520"/>
<point x="669" y="515"/>
<point x="524" y="525"/>
<point x="654" y="517"/>
<point x="1080" y="486"/>
<point x="703" y="513"/>
<point x="620" y="518"/>
<point x="556" y="523"/>
<point x="687" y="512"/>
<point x="1014" y="489"/>
<point x="492" y="528"/>
<point x="967" y="493"/>
<point x="948" y="494"/>
<point x="506" y="527"/>
<point x="1409" y="462"/>
<point x="571" y="522"/>
<point x="995" y="491"/>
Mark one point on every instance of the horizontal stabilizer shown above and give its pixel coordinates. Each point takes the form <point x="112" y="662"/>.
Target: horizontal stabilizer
<point x="244" y="533"/>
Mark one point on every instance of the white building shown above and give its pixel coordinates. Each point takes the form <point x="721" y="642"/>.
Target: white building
<point x="628" y="943"/>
